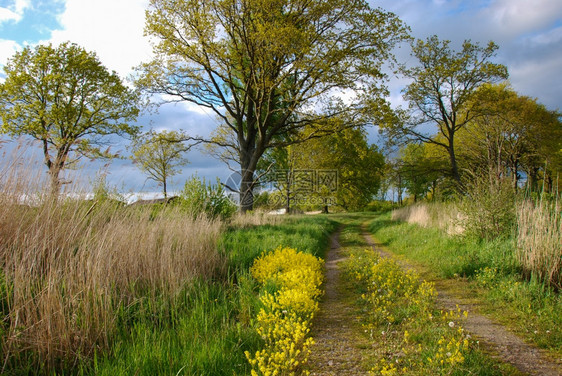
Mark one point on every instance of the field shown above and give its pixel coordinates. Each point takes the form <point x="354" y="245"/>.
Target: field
<point x="98" y="288"/>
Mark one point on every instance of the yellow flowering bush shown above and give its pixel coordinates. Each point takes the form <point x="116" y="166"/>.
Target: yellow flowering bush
<point x="284" y="320"/>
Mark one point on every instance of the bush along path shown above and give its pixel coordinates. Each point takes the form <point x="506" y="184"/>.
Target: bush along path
<point x="500" y="342"/>
<point x="290" y="283"/>
<point x="377" y="319"/>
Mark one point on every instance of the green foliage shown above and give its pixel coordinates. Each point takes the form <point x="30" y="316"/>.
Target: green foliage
<point x="66" y="99"/>
<point x="263" y="200"/>
<point x="104" y="192"/>
<point x="201" y="198"/>
<point x="512" y="134"/>
<point x="380" y="206"/>
<point x="159" y="155"/>
<point x="489" y="207"/>
<point x="443" y="84"/>
<point x="420" y="171"/>
<point x="359" y="166"/>
<point x="258" y="64"/>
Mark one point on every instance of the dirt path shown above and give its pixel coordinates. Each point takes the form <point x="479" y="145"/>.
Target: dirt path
<point x="339" y="347"/>
<point x="507" y="346"/>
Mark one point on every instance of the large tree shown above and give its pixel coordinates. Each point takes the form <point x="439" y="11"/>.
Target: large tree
<point x="68" y="101"/>
<point x="269" y="67"/>
<point x="441" y="90"/>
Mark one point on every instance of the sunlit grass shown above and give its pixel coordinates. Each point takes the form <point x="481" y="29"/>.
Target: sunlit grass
<point x="410" y="335"/>
<point x="94" y="287"/>
<point x="528" y="306"/>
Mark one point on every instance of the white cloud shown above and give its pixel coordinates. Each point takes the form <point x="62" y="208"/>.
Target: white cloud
<point x="7" y="49"/>
<point x="111" y="28"/>
<point x="14" y="12"/>
<point x="523" y="16"/>
<point x="8" y="15"/>
<point x="21" y="5"/>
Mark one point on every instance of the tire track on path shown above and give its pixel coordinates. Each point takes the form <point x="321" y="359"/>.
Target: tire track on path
<point x="339" y="347"/>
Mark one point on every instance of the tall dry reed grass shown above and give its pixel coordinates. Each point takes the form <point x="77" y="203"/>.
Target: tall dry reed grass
<point x="71" y="269"/>
<point x="539" y="240"/>
<point x="445" y="216"/>
<point x="255" y="218"/>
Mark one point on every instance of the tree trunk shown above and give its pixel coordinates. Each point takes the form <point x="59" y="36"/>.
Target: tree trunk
<point x="55" y="183"/>
<point x="288" y="202"/>
<point x="246" y="192"/>
<point x="454" y="166"/>
<point x="433" y="190"/>
<point x="165" y="190"/>
<point x="533" y="178"/>
<point x="399" y="189"/>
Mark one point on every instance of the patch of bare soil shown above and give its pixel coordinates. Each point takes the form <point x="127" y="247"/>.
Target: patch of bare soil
<point x="498" y="339"/>
<point x="340" y="348"/>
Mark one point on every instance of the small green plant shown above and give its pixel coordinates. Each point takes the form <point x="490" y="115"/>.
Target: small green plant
<point x="201" y="198"/>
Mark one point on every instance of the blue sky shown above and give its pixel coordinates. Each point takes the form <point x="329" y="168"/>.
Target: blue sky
<point x="529" y="33"/>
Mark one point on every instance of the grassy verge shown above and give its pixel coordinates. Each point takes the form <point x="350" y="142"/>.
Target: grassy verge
<point x="98" y="288"/>
<point x="487" y="268"/>
<point x="308" y="234"/>
<point x="214" y="329"/>
<point x="410" y="335"/>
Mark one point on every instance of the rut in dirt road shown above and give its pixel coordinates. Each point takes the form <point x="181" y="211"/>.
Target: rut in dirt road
<point x="508" y="347"/>
<point x="339" y="348"/>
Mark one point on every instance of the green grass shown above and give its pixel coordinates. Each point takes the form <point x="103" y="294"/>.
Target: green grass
<point x="448" y="256"/>
<point x="205" y="338"/>
<point x="394" y="352"/>
<point x="305" y="233"/>
<point x="530" y="308"/>
<point x="208" y="332"/>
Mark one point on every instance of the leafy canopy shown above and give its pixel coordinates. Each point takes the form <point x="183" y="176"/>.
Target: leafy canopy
<point x="160" y="155"/>
<point x="65" y="98"/>
<point x="269" y="67"/>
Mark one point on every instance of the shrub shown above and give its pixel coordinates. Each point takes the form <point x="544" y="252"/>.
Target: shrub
<point x="489" y="207"/>
<point x="380" y="206"/>
<point x="201" y="198"/>
<point x="284" y="321"/>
